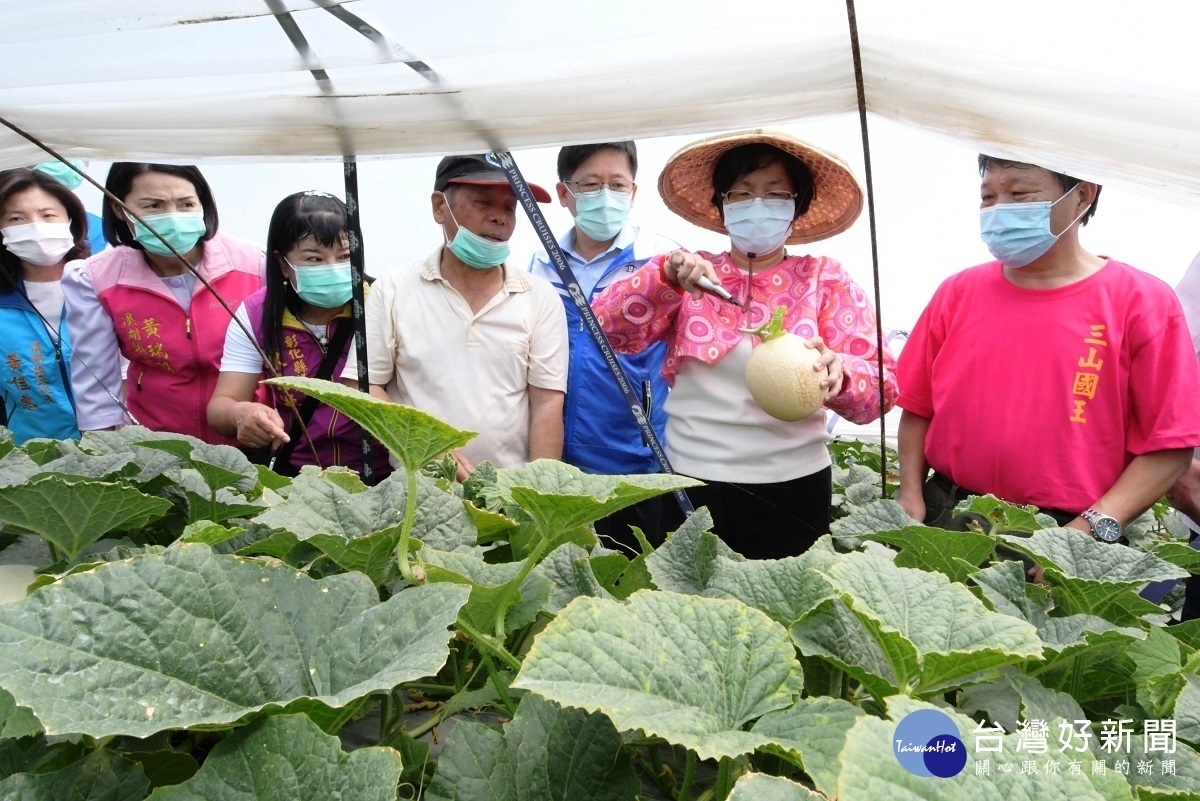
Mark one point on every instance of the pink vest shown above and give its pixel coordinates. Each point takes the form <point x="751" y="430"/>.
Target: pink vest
<point x="174" y="356"/>
<point x="336" y="438"/>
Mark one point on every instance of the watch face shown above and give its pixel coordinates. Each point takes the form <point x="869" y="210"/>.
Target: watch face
<point x="1106" y="529"/>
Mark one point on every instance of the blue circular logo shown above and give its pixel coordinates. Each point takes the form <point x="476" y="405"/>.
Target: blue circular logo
<point x="928" y="743"/>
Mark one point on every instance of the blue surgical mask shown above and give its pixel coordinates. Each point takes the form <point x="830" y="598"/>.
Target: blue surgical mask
<point x="62" y="173"/>
<point x="326" y="286"/>
<point x="759" y="226"/>
<point x="1019" y="233"/>
<point x="182" y="229"/>
<point x="474" y="250"/>
<point x="601" y="215"/>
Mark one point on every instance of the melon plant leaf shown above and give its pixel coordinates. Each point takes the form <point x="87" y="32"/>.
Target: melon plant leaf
<point x="195" y="638"/>
<point x="1066" y="553"/>
<point x="885" y="662"/>
<point x="219" y="465"/>
<point x="6" y="442"/>
<point x="761" y="787"/>
<point x="957" y="554"/>
<point x="101" y="776"/>
<point x="284" y="758"/>
<point x="79" y="464"/>
<point x="1187" y="709"/>
<point x="1182" y="556"/>
<point x="1005" y="516"/>
<point x="1014" y="697"/>
<point x="884" y="515"/>
<point x="691" y="670"/>
<point x="569" y="571"/>
<point x="698" y="563"/>
<point x="74" y="514"/>
<point x="954" y="633"/>
<point x="17" y="468"/>
<point x="412" y="436"/>
<point x="812" y="733"/>
<point x="491" y="526"/>
<point x="16" y="721"/>
<point x="546" y="752"/>
<point x="219" y="505"/>
<point x="492" y="586"/>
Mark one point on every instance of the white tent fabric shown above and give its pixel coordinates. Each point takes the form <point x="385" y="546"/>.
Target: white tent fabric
<point x="1104" y="90"/>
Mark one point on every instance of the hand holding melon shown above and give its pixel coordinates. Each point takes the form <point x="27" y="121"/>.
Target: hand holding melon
<point x="789" y="377"/>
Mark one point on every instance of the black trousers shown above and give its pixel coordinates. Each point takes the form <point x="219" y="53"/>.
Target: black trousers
<point x="764" y="521"/>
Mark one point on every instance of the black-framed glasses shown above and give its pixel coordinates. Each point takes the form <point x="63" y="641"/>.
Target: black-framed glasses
<point x="741" y="196"/>
<point x="590" y="185"/>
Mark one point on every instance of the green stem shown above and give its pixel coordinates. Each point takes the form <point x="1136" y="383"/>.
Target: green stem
<point x="501" y="688"/>
<point x="486" y="645"/>
<point x="410" y="518"/>
<point x="725" y="778"/>
<point x="515" y="585"/>
<point x="659" y="774"/>
<point x="689" y="777"/>
<point x="428" y="687"/>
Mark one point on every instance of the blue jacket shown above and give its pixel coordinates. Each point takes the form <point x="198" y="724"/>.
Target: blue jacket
<point x="600" y="434"/>
<point x="34" y="374"/>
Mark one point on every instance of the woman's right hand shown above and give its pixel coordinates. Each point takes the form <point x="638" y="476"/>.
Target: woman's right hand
<point x="259" y="426"/>
<point x="685" y="269"/>
<point x="913" y="505"/>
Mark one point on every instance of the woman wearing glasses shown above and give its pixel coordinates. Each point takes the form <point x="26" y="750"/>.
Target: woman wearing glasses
<point x="768" y="482"/>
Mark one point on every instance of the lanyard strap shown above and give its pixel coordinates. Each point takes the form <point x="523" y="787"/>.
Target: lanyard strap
<point x="508" y="164"/>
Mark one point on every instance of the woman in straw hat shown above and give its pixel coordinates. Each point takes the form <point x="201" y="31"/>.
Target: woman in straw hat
<point x="768" y="482"/>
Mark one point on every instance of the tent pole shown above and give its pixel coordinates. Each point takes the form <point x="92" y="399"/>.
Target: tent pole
<point x="855" y="50"/>
<point x="354" y="233"/>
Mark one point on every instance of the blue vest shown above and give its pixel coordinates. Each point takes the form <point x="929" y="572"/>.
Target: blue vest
<point x="600" y="435"/>
<point x="34" y="374"/>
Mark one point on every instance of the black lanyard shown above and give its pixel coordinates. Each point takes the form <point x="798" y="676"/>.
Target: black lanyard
<point x="520" y="188"/>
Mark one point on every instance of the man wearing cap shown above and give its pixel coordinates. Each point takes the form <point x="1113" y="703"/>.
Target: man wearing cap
<point x="467" y="338"/>
<point x="1050" y="376"/>
<point x="601" y="436"/>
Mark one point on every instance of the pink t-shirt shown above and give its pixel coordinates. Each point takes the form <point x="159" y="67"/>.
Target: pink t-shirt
<point x="1045" y="396"/>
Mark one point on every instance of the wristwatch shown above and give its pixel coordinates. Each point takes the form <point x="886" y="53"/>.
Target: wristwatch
<point x="1105" y="528"/>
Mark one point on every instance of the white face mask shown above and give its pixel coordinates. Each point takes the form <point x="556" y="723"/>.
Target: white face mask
<point x="759" y="226"/>
<point x="43" y="244"/>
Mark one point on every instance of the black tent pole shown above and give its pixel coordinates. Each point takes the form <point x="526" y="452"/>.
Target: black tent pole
<point x="357" y="260"/>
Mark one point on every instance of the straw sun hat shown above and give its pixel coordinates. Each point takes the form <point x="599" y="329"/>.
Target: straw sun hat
<point x="686" y="184"/>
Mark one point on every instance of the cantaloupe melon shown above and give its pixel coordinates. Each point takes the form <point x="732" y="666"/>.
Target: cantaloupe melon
<point x="780" y="372"/>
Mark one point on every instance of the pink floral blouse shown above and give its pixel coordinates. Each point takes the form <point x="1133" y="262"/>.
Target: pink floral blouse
<point x="821" y="300"/>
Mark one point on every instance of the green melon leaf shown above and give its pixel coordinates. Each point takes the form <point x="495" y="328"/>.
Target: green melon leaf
<point x="74" y="514"/>
<point x="691" y="670"/>
<point x="812" y="733"/>
<point x="492" y="586"/>
<point x="546" y="753"/>
<point x="285" y="758"/>
<point x="761" y="787"/>
<point x="698" y="563"/>
<point x="884" y="515"/>
<point x="221" y="466"/>
<point x="957" y="554"/>
<point x="101" y="776"/>
<point x="1066" y="553"/>
<point x="412" y="436"/>
<point x="194" y="638"/>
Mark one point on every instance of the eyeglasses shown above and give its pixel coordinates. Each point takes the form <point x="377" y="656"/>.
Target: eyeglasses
<point x="741" y="196"/>
<point x="590" y="185"/>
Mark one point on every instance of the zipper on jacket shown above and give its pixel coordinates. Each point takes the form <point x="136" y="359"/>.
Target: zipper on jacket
<point x="188" y="325"/>
<point x="139" y="381"/>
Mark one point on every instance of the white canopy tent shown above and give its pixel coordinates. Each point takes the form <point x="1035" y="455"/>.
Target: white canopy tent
<point x="1102" y="89"/>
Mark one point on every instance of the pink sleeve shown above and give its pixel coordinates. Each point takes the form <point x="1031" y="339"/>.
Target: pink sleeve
<point x="640" y="310"/>
<point x="1164" y="383"/>
<point x="847" y="325"/>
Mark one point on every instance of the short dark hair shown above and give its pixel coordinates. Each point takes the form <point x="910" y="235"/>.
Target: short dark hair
<point x="14" y="182"/>
<point x="742" y="160"/>
<point x="1067" y="182"/>
<point x="317" y="214"/>
<point x="571" y="156"/>
<point x="117" y="230"/>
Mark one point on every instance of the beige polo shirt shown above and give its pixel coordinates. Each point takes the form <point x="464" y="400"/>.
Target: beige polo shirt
<point x="473" y="370"/>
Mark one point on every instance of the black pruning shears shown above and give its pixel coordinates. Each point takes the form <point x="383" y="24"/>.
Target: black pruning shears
<point x="721" y="292"/>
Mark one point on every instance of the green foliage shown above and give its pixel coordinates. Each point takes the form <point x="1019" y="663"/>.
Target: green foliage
<point x="179" y="624"/>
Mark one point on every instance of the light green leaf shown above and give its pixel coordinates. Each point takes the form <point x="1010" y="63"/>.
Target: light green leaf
<point x="690" y="670"/>
<point x="194" y="638"/>
<point x="101" y="776"/>
<point x="74" y="514"/>
<point x="956" y="554"/>
<point x="699" y="563"/>
<point x="217" y="505"/>
<point x="954" y="633"/>
<point x="761" y="787"/>
<point x="17" y="468"/>
<point x="219" y="465"/>
<point x="546" y="753"/>
<point x="1182" y="556"/>
<point x="812" y="732"/>
<point x="285" y="758"/>
<point x="569" y="571"/>
<point x="1066" y="553"/>
<point x="882" y="661"/>
<point x="492" y="585"/>
<point x="1187" y="709"/>
<point x="1005" y="516"/>
<point x="16" y="721"/>
<point x="412" y="436"/>
<point x="886" y="515"/>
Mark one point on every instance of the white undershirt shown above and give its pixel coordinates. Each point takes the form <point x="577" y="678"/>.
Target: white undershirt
<point x="240" y="354"/>
<point x="716" y="432"/>
<point x="47" y="298"/>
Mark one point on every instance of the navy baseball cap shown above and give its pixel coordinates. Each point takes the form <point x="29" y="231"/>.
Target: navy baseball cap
<point x="476" y="169"/>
